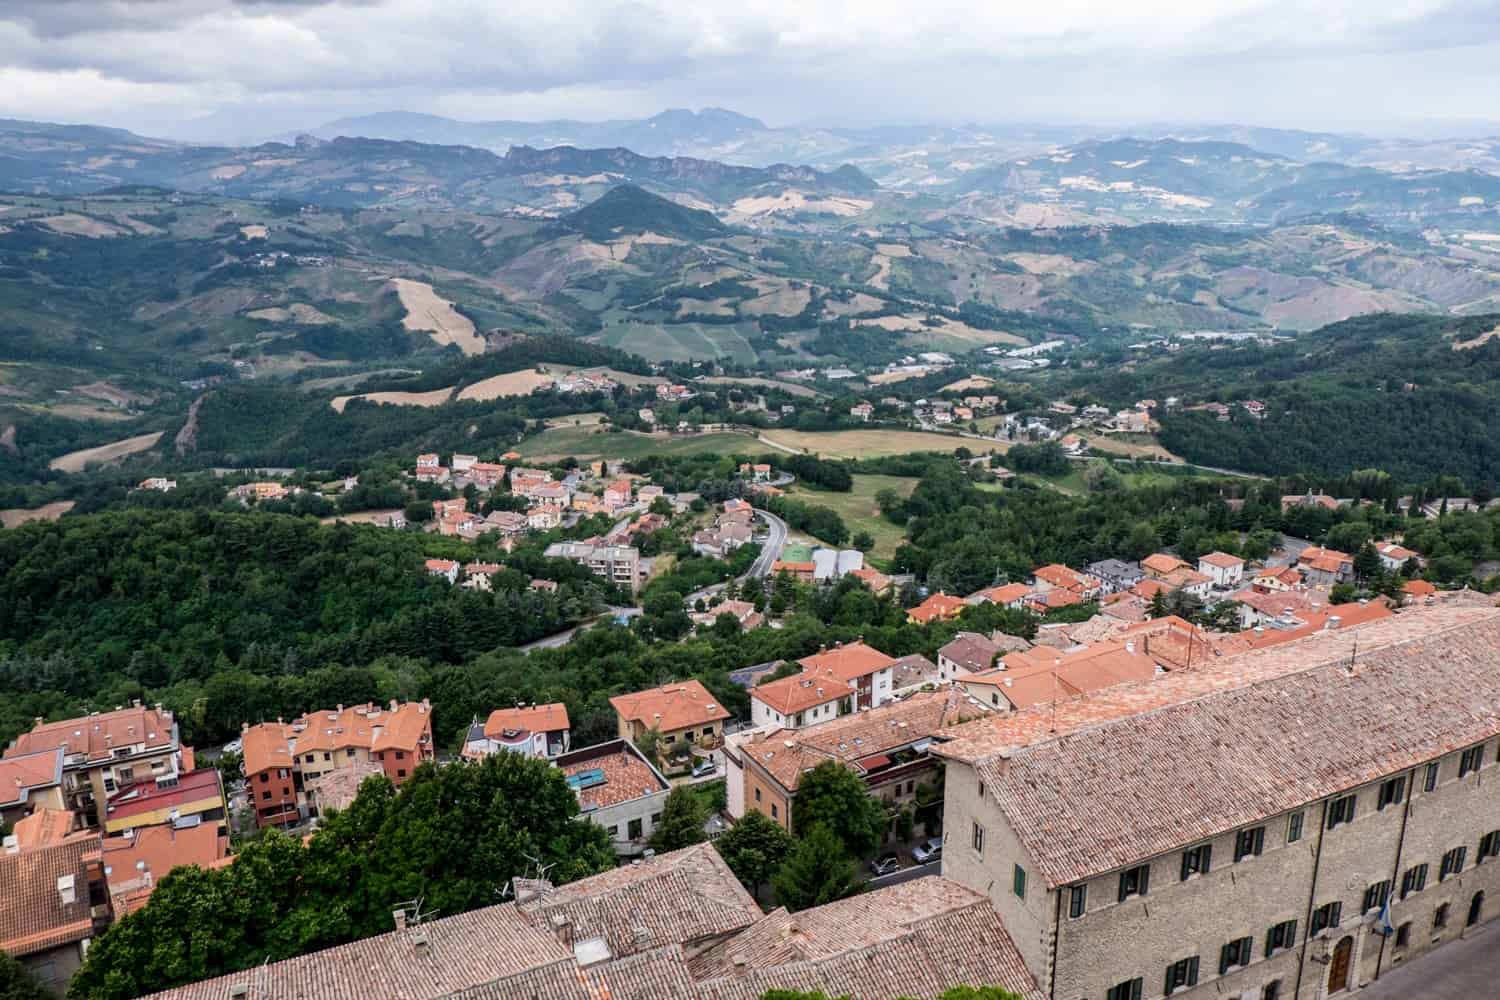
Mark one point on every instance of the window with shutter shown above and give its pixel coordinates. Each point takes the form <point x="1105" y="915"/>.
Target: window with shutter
<point x="1391" y="793"/>
<point x="1294" y="827"/>
<point x="1249" y="842"/>
<point x="1432" y="777"/>
<point x="1135" y="882"/>
<point x="1415" y="880"/>
<point x="1196" y="861"/>
<point x="1128" y="990"/>
<point x="1077" y="900"/>
<point x="1340" y="811"/>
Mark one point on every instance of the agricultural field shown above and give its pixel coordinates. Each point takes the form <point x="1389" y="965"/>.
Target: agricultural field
<point x="77" y="461"/>
<point x="15" y="517"/>
<point x="589" y="443"/>
<point x="682" y="341"/>
<point x="873" y="443"/>
<point x="428" y="312"/>
<point x="858" y="509"/>
<point x="437" y="397"/>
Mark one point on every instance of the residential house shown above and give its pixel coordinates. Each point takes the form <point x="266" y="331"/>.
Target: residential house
<point x="106" y="751"/>
<point x="1324" y="567"/>
<point x="1073" y="445"/>
<point x="159" y="484"/>
<point x="862" y="412"/>
<point x="1307" y="867"/>
<point x="507" y="522"/>
<point x="673" y="393"/>
<point x="617" y="564"/>
<point x="30" y="781"/>
<point x="1393" y="557"/>
<point x="619" y="790"/>
<point x="1010" y="595"/>
<point x="648" y="494"/>
<point x="1115" y="575"/>
<point x="682" y="712"/>
<point x="191" y="798"/>
<point x="1189" y="581"/>
<point x="530" y="730"/>
<point x="1045" y="602"/>
<point x="759" y="472"/>
<point x="1059" y="577"/>
<point x="433" y="473"/>
<point x="461" y="524"/>
<point x="53" y="902"/>
<point x="543" y="517"/>
<point x="280" y="760"/>
<point x="1417" y="591"/>
<point x="480" y="575"/>
<point x="887" y="747"/>
<point x="617" y="493"/>
<point x="486" y="475"/>
<point x="913" y="672"/>
<point x="646" y="415"/>
<point x="966" y="653"/>
<point x="1277" y="578"/>
<point x="428" y="461"/>
<point x="1159" y="565"/>
<point x="743" y="612"/>
<point x="261" y="492"/>
<point x="801" y="570"/>
<point x="545" y="586"/>
<point x="833" y="682"/>
<point x="134" y="864"/>
<point x="462" y="463"/>
<point x="1309" y="499"/>
<point x="1259" y="607"/>
<point x="878" y="582"/>
<point x="937" y="607"/>
<point x="1223" y="569"/>
<point x="445" y="568"/>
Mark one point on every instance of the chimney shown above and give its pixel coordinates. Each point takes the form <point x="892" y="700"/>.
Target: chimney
<point x="1333" y="622"/>
<point x="739" y="964"/>
<point x="393" y="704"/>
<point x="562" y="926"/>
<point x="398" y="917"/>
<point x="12" y="844"/>
<point x="340" y="709"/>
<point x="426" y="705"/>
<point x="1130" y="646"/>
<point x="244" y="727"/>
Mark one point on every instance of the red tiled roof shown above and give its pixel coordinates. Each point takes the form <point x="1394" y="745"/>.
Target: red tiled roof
<point x="799" y="692"/>
<point x="33" y="917"/>
<point x="670" y="707"/>
<point x="1005" y="594"/>
<point x="1223" y="560"/>
<point x="1418" y="588"/>
<point x="43" y="827"/>
<point x="848" y="662"/>
<point x="22" y="773"/>
<point x="149" y="796"/>
<point x="266" y="746"/>
<point x="937" y="606"/>
<point x="135" y="864"/>
<point x="626" y="777"/>
<point x="1161" y="562"/>
<point x="533" y="718"/>
<point x="100" y="735"/>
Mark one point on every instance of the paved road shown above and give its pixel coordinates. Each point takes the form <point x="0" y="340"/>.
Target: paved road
<point x="1467" y="969"/>
<point x="770" y="550"/>
<point x="907" y="874"/>
<point x="563" y="638"/>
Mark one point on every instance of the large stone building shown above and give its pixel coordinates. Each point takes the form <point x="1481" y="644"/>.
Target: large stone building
<point x="675" y="927"/>
<point x="1234" y="830"/>
<point x="107" y="751"/>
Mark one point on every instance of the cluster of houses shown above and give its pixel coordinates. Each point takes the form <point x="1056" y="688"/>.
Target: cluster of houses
<point x="943" y="412"/>
<point x="584" y="382"/>
<point x="732" y="528"/>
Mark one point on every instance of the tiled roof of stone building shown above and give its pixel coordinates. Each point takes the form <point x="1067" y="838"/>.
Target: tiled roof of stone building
<point x="1247" y="737"/>
<point x="34" y="915"/>
<point x="676" y="898"/>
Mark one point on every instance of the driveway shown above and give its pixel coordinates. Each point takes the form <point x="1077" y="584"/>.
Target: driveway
<point x="1466" y="969"/>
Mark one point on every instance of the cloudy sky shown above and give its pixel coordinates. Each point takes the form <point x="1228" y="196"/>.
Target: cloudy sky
<point x="236" y="69"/>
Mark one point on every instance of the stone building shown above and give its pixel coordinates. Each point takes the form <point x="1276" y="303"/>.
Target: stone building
<point x="1236" y="830"/>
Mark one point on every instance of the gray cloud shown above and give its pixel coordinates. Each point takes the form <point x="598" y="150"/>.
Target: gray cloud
<point x="1331" y="63"/>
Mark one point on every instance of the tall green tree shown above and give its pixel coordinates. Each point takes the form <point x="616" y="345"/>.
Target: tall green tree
<point x="819" y="870"/>
<point x="834" y="797"/>
<point x="754" y="849"/>
<point x="681" y="821"/>
<point x="16" y="983"/>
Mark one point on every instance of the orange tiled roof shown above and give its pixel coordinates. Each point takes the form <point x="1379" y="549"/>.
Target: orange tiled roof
<point x="1162" y="563"/>
<point x="626" y="777"/>
<point x="670" y="707"/>
<point x="850" y="661"/>
<point x="1223" y="560"/>
<point x="1058" y="575"/>
<point x="365" y="726"/>
<point x="43" y="827"/>
<point x="98" y="736"/>
<point x="1418" y="588"/>
<point x="266" y="745"/>
<point x="799" y="692"/>
<point x="937" y="606"/>
<point x="532" y="718"/>
<point x="135" y="864"/>
<point x="1006" y="594"/>
<point x="33" y="917"/>
<point x="21" y="773"/>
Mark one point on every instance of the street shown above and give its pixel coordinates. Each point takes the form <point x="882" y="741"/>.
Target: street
<point x="907" y="874"/>
<point x="1467" y="969"/>
<point x="770" y="550"/>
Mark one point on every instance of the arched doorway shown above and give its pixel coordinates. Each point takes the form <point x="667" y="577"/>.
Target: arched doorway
<point x="1338" y="966"/>
<point x="1476" y="909"/>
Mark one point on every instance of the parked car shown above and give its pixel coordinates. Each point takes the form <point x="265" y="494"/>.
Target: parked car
<point x="233" y="746"/>
<point x="704" y="767"/>
<point x="930" y="849"/>
<point x="885" y="864"/>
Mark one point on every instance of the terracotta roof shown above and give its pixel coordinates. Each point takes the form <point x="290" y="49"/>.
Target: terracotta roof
<point x="1162" y="563"/>
<point x="1289" y="575"/>
<point x="872" y="578"/>
<point x="786" y="753"/>
<point x="1185" y="576"/>
<point x="533" y="718"/>
<point x="1317" y="553"/>
<point x="799" y="692"/>
<point x="1336" y="616"/>
<point x="1279" y="602"/>
<point x="43" y="827"/>
<point x="626" y="777"/>
<point x="912" y="670"/>
<point x="1223" y="560"/>
<point x="23" y="773"/>
<point x="1058" y="575"/>
<point x="670" y="707"/>
<point x="971" y="651"/>
<point x="266" y="745"/>
<point x="849" y="661"/>
<point x="1251" y="736"/>
<point x="100" y="735"/>
<point x="1005" y="594"/>
<point x="939" y="605"/>
<point x="1043" y="675"/>
<point x="514" y="949"/>
<point x="1149" y="588"/>
<point x="1054" y="599"/>
<point x="134" y="865"/>
<point x="33" y="916"/>
<point x="1418" y="588"/>
<point x="369" y="727"/>
<point x="149" y="796"/>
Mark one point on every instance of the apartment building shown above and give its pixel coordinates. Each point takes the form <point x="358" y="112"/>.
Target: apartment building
<point x="619" y="564"/>
<point x="1286" y="823"/>
<point x="620" y="790"/>
<point x="683" y="712"/>
<point x="28" y="782"/>
<point x="105" y="752"/>
<point x="282" y="759"/>
<point x="192" y="797"/>
<point x="833" y="682"/>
